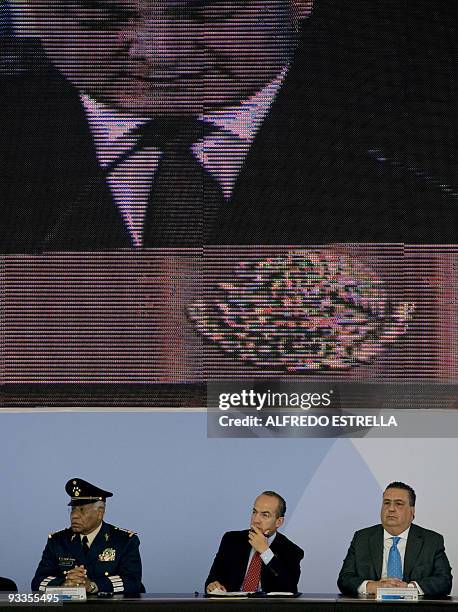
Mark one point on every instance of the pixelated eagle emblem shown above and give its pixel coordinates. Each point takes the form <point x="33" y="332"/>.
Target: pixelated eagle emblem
<point x="309" y="310"/>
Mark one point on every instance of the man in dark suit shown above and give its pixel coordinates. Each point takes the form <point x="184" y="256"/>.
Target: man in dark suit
<point x="259" y="558"/>
<point x="336" y="150"/>
<point x="6" y="584"/>
<point x="396" y="553"/>
<point x="91" y="553"/>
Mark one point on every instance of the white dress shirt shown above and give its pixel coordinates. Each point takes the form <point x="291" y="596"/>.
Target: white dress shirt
<point x="222" y="153"/>
<point x="91" y="536"/>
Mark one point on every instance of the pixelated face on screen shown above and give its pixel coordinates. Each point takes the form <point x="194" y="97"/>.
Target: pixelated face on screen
<point x="168" y="56"/>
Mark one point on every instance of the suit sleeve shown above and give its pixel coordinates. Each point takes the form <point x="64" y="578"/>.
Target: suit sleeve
<point x="128" y="576"/>
<point x="285" y="567"/>
<point x="439" y="581"/>
<point x="217" y="570"/>
<point x="349" y="578"/>
<point x="48" y="572"/>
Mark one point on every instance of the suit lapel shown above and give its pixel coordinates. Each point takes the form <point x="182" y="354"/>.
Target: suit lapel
<point x="290" y="171"/>
<point x="277" y="542"/>
<point x="413" y="548"/>
<point x="77" y="210"/>
<point x="376" y="551"/>
<point x="265" y="188"/>
<point x="88" y="217"/>
<point x="242" y="562"/>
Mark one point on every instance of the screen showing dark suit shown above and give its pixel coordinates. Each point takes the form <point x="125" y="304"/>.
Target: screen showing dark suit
<point x="350" y="151"/>
<point x="6" y="584"/>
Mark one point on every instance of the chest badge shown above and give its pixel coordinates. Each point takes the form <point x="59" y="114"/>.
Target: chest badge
<point x="66" y="561"/>
<point x="109" y="554"/>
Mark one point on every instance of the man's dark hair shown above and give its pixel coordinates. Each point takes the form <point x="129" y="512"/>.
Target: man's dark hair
<point x="281" y="502"/>
<point x="406" y="487"/>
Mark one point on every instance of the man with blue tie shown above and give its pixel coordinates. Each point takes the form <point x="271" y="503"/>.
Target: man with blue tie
<point x="396" y="553"/>
<point x="90" y="553"/>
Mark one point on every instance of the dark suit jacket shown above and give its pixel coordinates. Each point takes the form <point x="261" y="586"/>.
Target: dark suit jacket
<point x="113" y="554"/>
<point x="231" y="562"/>
<point x="7" y="585"/>
<point x="425" y="561"/>
<point x="353" y="149"/>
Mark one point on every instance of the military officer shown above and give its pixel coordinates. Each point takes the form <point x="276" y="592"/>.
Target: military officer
<point x="90" y="553"/>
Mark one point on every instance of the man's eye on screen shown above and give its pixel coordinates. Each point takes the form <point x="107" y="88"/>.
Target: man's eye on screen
<point x="98" y="15"/>
<point x="208" y="11"/>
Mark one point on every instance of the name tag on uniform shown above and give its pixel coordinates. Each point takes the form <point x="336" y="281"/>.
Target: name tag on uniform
<point x="108" y="554"/>
<point x="67" y="561"/>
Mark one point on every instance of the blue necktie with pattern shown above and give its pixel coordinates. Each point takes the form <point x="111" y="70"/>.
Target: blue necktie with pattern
<point x="394" y="567"/>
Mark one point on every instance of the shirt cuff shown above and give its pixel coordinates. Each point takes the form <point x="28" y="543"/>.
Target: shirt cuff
<point x="417" y="586"/>
<point x="267" y="556"/>
<point x="362" y="589"/>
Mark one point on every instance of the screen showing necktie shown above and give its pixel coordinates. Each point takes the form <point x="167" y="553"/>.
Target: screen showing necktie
<point x="394" y="567"/>
<point x="253" y="574"/>
<point x="184" y="198"/>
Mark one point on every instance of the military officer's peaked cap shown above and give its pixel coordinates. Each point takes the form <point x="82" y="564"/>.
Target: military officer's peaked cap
<point x="82" y="492"/>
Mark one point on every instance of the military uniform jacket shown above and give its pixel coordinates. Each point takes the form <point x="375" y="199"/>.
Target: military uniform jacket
<point x="113" y="561"/>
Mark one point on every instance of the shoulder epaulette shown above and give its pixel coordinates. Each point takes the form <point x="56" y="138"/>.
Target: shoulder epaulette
<point x="127" y="531"/>
<point x="55" y="533"/>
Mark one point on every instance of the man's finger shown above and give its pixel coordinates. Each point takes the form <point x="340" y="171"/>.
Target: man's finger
<point x="76" y="572"/>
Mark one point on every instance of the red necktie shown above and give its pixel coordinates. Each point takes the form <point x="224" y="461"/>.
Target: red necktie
<point x="253" y="574"/>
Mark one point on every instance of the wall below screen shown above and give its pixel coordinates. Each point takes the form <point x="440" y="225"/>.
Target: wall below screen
<point x="180" y="490"/>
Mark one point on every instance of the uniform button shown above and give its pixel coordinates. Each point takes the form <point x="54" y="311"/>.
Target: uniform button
<point x="106" y="574"/>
